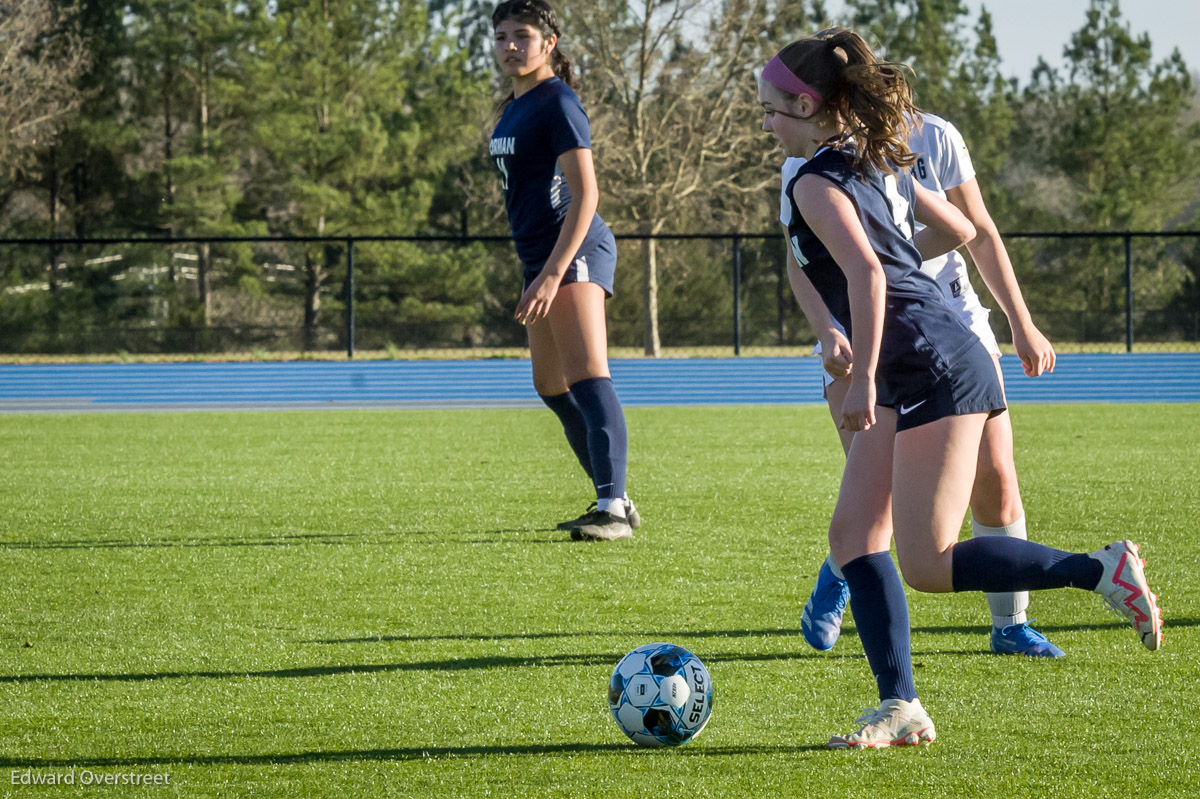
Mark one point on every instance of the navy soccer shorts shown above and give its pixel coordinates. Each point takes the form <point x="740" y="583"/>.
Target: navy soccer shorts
<point x="971" y="385"/>
<point x="596" y="262"/>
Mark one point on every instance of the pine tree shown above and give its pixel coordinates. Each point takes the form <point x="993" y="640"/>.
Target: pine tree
<point x="362" y="113"/>
<point x="1113" y="152"/>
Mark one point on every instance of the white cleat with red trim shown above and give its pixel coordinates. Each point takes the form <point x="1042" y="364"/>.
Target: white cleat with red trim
<point x="1123" y="586"/>
<point x="894" y="723"/>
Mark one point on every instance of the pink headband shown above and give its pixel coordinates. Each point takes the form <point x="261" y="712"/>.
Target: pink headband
<point x="778" y="75"/>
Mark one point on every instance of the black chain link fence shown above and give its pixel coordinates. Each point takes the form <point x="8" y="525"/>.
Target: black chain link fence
<point x="398" y="297"/>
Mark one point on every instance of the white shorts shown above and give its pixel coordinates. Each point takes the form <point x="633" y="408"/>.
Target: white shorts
<point x="969" y="309"/>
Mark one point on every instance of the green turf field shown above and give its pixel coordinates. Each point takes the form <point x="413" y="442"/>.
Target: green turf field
<point x="367" y="604"/>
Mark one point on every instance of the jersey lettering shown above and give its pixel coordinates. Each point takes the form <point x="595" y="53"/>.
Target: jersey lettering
<point x="502" y="145"/>
<point x="899" y="205"/>
<point x="503" y="172"/>
<point x="800" y="259"/>
<point x="922" y="172"/>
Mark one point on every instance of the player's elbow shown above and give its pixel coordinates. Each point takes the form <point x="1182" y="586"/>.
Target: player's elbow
<point x="964" y="231"/>
<point x="985" y="231"/>
<point x="586" y="196"/>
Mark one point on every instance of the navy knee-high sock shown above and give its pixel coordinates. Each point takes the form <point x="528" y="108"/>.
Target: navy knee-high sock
<point x="574" y="425"/>
<point x="881" y="616"/>
<point x="607" y="439"/>
<point x="997" y="563"/>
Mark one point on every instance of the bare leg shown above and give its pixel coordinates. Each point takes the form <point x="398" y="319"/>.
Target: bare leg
<point x="571" y="344"/>
<point x="835" y="394"/>
<point x="862" y="519"/>
<point x="996" y="497"/>
<point x="931" y="487"/>
<point x="579" y="330"/>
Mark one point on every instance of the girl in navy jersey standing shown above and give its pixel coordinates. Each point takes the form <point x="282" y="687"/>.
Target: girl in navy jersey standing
<point x="542" y="147"/>
<point x="922" y="386"/>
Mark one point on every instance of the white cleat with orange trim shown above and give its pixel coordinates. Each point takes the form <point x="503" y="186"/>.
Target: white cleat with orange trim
<point x="894" y="723"/>
<point x="1123" y="586"/>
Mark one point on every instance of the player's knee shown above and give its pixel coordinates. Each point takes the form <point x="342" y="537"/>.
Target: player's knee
<point x="996" y="496"/>
<point x="548" y="387"/>
<point x="922" y="574"/>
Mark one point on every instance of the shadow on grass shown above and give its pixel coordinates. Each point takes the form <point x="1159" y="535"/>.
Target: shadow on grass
<point x="404" y="753"/>
<point x="783" y="632"/>
<point x="666" y="636"/>
<point x="532" y="661"/>
<point x="331" y="539"/>
<point x="459" y="664"/>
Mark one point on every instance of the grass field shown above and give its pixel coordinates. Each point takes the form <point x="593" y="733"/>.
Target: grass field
<point x="364" y="604"/>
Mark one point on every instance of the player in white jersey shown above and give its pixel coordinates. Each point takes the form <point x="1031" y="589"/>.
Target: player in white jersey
<point x="944" y="167"/>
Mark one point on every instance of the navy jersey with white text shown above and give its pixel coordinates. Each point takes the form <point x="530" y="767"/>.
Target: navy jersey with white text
<point x="535" y="129"/>
<point x="922" y="336"/>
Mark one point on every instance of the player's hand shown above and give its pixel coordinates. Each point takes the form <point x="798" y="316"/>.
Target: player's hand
<point x="535" y="302"/>
<point x="858" y="409"/>
<point x="1036" y="353"/>
<point x="836" y="355"/>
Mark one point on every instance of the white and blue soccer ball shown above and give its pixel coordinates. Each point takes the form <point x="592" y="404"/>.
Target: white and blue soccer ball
<point x="660" y="695"/>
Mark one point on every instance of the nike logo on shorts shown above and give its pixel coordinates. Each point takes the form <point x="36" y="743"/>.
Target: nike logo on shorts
<point x="910" y="408"/>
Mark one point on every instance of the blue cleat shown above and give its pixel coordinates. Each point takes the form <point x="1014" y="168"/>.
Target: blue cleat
<point x="1021" y="639"/>
<point x="821" y="622"/>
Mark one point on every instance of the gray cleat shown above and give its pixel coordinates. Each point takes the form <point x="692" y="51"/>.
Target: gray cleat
<point x="602" y="526"/>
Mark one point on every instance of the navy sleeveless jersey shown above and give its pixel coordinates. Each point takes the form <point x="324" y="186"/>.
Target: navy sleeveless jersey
<point x="922" y="335"/>
<point x="535" y="129"/>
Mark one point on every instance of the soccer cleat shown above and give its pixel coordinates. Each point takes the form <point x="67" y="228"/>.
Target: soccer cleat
<point x="894" y="723"/>
<point x="602" y="526"/>
<point x="631" y="513"/>
<point x="579" y="519"/>
<point x="635" y="518"/>
<point x="1123" y="586"/>
<point x="1021" y="639"/>
<point x="821" y="622"/>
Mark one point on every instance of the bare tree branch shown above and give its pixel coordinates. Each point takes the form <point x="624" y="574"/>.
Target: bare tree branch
<point x="41" y="55"/>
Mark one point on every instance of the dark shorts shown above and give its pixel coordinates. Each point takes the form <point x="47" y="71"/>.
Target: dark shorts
<point x="971" y="385"/>
<point x="596" y="262"/>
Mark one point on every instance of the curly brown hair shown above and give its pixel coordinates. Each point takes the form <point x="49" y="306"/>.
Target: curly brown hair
<point x="872" y="97"/>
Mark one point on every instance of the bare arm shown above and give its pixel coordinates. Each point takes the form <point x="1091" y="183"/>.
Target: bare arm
<point x="835" y="349"/>
<point x="991" y="259"/>
<point x="834" y="219"/>
<point x="580" y="174"/>
<point x="946" y="227"/>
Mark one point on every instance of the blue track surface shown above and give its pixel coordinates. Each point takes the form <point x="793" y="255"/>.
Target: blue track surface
<point x="507" y="383"/>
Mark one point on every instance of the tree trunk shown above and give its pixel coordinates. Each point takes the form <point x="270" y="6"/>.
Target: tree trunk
<point x="203" y="270"/>
<point x="168" y="163"/>
<point x="205" y="262"/>
<point x="653" y="346"/>
<point x="314" y="276"/>
<point x="52" y="278"/>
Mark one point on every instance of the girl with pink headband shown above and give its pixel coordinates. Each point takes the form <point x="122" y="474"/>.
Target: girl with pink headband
<point x="922" y="385"/>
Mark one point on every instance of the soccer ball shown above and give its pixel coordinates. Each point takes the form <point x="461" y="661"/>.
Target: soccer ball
<point x="660" y="695"/>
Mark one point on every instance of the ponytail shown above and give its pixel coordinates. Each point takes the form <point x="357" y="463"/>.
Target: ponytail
<point x="872" y="98"/>
<point x="562" y="68"/>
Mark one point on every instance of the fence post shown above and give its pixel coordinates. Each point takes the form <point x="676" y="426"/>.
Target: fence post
<point x="737" y="294"/>
<point x="350" y="297"/>
<point x="1128" y="293"/>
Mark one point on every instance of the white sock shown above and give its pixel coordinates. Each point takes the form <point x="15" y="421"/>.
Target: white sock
<point x="615" y="506"/>
<point x="1007" y="608"/>
<point x="833" y="567"/>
